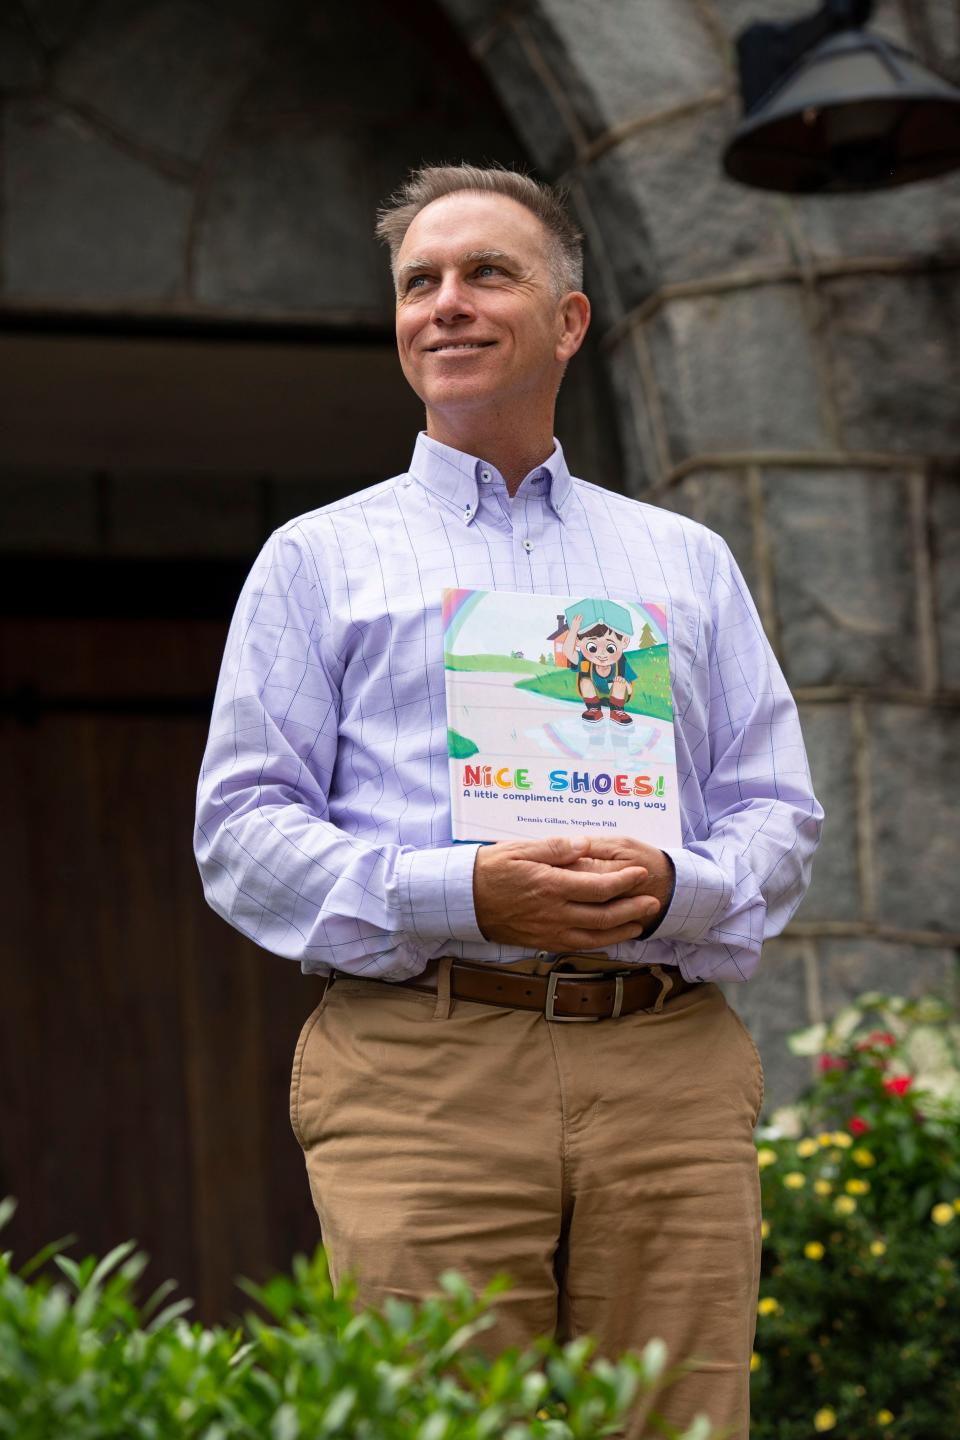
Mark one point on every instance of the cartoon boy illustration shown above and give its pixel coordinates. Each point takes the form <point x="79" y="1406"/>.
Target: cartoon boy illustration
<point x="598" y="652"/>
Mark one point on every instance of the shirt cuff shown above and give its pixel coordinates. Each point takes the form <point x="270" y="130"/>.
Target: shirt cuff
<point x="435" y="889"/>
<point x="701" y="897"/>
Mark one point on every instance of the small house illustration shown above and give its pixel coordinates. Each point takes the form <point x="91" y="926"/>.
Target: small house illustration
<point x="558" y="637"/>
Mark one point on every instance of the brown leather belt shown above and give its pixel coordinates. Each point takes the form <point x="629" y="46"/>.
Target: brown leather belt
<point x="563" y="995"/>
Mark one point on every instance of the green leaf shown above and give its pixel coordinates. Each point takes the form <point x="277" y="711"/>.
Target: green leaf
<point x="179" y="1307"/>
<point x="699" y="1430"/>
<point x="42" y="1256"/>
<point x="71" y="1269"/>
<point x="337" y="1411"/>
<point x="653" y="1359"/>
<point x="285" y="1425"/>
<point x="110" y="1261"/>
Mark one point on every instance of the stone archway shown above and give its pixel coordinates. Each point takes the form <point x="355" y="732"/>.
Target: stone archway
<point x="786" y="372"/>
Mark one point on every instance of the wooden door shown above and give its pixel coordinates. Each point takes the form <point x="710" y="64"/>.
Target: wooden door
<point x="146" y="1046"/>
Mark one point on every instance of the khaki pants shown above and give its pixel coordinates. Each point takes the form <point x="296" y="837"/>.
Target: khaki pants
<point x="608" y="1168"/>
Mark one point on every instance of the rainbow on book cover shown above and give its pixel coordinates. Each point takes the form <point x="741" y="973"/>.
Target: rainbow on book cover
<point x="559" y="716"/>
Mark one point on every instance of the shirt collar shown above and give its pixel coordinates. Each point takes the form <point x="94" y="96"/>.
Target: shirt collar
<point x="454" y="478"/>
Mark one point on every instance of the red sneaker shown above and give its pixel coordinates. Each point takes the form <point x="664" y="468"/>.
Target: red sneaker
<point x="592" y="712"/>
<point x="620" y="716"/>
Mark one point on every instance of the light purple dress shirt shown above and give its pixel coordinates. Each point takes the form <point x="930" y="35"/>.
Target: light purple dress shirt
<point x="323" y="812"/>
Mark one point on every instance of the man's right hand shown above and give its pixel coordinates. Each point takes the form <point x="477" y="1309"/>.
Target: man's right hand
<point x="529" y="893"/>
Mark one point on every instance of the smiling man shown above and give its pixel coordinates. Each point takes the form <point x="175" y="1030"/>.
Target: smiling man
<point x="448" y="1115"/>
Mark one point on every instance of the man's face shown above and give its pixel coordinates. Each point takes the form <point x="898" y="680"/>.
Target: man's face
<point x="479" y="324"/>
<point x="604" y="649"/>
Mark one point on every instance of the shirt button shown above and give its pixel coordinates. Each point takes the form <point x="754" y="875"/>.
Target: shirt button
<point x="528" y="545"/>
<point x="485" y="476"/>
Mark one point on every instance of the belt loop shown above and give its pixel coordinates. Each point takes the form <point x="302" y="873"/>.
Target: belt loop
<point x="666" y="986"/>
<point x="331" y="976"/>
<point x="442" y="1011"/>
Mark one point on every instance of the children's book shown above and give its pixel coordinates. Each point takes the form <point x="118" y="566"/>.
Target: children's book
<point x="559" y="717"/>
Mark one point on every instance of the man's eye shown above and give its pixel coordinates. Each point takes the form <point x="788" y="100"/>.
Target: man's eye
<point x="416" y="282"/>
<point x="484" y="270"/>
<point x="611" y="649"/>
<point x="591" y="648"/>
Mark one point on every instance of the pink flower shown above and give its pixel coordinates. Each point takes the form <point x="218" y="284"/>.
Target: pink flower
<point x="857" y="1126"/>
<point x="831" y="1062"/>
<point x="898" y="1084"/>
<point x="877" y="1037"/>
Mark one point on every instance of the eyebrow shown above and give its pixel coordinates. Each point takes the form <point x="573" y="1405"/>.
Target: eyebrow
<point x="469" y="257"/>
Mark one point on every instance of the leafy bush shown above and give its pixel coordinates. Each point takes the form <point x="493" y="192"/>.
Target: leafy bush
<point x="858" y="1329"/>
<point x="81" y="1362"/>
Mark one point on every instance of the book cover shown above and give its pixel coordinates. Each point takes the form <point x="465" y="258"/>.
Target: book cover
<point x="559" y="717"/>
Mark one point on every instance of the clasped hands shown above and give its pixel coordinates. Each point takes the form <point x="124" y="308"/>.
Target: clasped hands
<point x="570" y="894"/>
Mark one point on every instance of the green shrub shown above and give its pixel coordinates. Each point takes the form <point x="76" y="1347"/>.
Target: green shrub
<point x="858" y="1330"/>
<point x="81" y="1362"/>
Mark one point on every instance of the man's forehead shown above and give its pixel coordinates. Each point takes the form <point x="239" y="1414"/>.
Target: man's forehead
<point x="470" y="220"/>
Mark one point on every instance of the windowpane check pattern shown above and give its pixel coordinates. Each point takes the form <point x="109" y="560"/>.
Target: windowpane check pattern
<point x="323" y="814"/>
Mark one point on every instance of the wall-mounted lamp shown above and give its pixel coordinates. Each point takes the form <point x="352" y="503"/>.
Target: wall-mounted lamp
<point x="831" y="107"/>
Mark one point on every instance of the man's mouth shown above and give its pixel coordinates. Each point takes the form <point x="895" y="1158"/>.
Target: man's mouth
<point x="451" y="345"/>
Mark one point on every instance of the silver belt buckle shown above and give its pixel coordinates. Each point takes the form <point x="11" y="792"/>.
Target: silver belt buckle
<point x="556" y="975"/>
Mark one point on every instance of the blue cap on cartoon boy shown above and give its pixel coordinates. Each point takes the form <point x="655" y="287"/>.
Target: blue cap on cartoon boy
<point x="600" y="612"/>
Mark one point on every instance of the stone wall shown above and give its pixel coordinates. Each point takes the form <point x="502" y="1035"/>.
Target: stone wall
<point x="210" y="162"/>
<point x="788" y="372"/>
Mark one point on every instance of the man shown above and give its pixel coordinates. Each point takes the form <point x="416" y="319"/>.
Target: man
<point x="448" y="1116"/>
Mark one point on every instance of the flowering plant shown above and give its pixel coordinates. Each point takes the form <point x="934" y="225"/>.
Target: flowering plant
<point x="858" y="1330"/>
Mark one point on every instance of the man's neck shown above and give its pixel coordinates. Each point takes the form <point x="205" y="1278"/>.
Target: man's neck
<point x="513" y="454"/>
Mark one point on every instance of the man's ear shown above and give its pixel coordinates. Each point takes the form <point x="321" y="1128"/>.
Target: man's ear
<point x="573" y="320"/>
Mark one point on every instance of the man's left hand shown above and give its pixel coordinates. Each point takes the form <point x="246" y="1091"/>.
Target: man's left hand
<point x="614" y="852"/>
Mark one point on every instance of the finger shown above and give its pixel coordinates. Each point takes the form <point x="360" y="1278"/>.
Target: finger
<point x="624" y="848"/>
<point x="552" y="850"/>
<point x="589" y="864"/>
<point x="598" y="940"/>
<point x="634" y="910"/>
<point x="592" y="887"/>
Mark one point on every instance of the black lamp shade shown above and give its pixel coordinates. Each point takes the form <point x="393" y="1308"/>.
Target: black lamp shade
<point x="856" y="113"/>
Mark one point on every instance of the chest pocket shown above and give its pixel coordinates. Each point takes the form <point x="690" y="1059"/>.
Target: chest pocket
<point x="687" y="637"/>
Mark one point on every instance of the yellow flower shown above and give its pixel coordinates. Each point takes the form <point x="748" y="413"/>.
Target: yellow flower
<point x="841" y="1138"/>
<point x="754" y="1361"/>
<point x="824" y="1139"/>
<point x="857" y="1187"/>
<point x="956" y="1204"/>
<point x="794" y="1180"/>
<point x="766" y="1157"/>
<point x="825" y="1419"/>
<point x="863" y="1157"/>
<point x="823" y="1187"/>
<point x="844" y="1205"/>
<point x="885" y="1417"/>
<point x="878" y="1247"/>
<point x="764" y="1229"/>
<point x="942" y="1214"/>
<point x="814" y="1250"/>
<point x="768" y="1306"/>
<point x="806" y="1148"/>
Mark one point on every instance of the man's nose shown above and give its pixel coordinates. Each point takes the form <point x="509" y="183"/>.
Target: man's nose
<point x="451" y="300"/>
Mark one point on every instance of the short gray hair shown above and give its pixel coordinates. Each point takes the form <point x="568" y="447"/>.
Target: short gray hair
<point x="432" y="182"/>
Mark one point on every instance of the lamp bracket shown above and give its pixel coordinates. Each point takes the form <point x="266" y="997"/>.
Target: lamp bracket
<point x="766" y="52"/>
